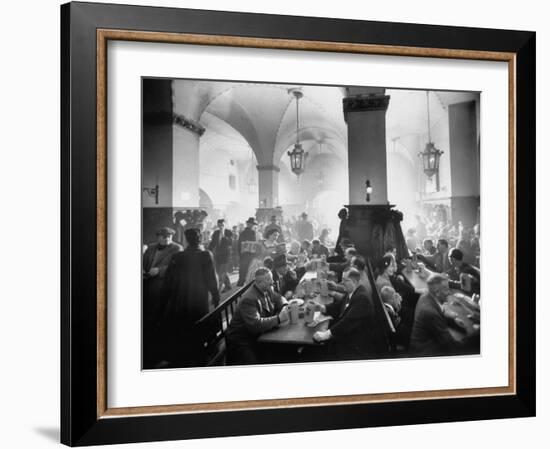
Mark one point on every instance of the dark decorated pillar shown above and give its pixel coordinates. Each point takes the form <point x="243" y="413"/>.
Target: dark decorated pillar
<point x="373" y="225"/>
<point x="365" y="115"/>
<point x="157" y="157"/>
<point x="171" y="140"/>
<point x="464" y="158"/>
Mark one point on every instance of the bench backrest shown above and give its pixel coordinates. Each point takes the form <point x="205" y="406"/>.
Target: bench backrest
<point x="211" y="328"/>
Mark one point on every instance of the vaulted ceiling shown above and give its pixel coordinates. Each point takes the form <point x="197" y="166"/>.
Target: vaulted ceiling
<point x="245" y="117"/>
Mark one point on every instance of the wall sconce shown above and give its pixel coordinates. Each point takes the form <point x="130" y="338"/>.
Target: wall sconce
<point x="368" y="190"/>
<point x="153" y="192"/>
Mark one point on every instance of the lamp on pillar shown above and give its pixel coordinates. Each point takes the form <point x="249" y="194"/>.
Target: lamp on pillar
<point x="368" y="190"/>
<point x="153" y="192"/>
<point x="297" y="156"/>
<point x="431" y="155"/>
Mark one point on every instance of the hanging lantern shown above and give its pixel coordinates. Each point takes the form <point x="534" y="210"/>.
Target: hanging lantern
<point x="430" y="159"/>
<point x="431" y="155"/>
<point x="297" y="156"/>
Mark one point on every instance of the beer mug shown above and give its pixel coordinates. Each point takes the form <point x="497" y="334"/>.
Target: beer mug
<point x="294" y="309"/>
<point x="308" y="287"/>
<point x="324" y="288"/>
<point x="465" y="282"/>
<point x="310" y="312"/>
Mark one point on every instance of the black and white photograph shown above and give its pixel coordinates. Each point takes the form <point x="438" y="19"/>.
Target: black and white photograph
<point x="296" y="223"/>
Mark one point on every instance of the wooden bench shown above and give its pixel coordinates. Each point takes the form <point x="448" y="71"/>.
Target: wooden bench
<point x="381" y="312"/>
<point x="211" y="329"/>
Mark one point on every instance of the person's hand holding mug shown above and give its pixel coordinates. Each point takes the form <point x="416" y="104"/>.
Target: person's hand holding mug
<point x="284" y="316"/>
<point x="318" y="307"/>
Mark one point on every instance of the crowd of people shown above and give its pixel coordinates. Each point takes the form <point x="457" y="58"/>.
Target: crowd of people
<point x="183" y="281"/>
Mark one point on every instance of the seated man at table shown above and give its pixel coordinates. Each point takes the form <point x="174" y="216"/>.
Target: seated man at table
<point x="355" y="332"/>
<point x="259" y="310"/>
<point x="340" y="267"/>
<point x="285" y="280"/>
<point x="460" y="269"/>
<point x="440" y="260"/>
<point x="318" y="250"/>
<point x="430" y="333"/>
<point x="358" y="262"/>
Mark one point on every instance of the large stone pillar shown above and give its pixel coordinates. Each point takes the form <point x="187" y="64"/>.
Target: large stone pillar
<point x="157" y="157"/>
<point x="185" y="162"/>
<point x="365" y="114"/>
<point x="464" y="157"/>
<point x="268" y="192"/>
<point x="373" y="226"/>
<point x="185" y="154"/>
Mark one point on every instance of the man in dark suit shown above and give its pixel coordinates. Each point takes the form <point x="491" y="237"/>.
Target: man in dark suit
<point x="459" y="269"/>
<point x="355" y="332"/>
<point x="245" y="254"/>
<point x="430" y="333"/>
<point x="156" y="259"/>
<point x="284" y="279"/>
<point x="260" y="310"/>
<point x="304" y="229"/>
<point x="217" y="237"/>
<point x="189" y="281"/>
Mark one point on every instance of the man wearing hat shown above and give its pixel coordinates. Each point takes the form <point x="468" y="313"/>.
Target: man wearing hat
<point x="155" y="263"/>
<point x="189" y="281"/>
<point x="245" y="253"/>
<point x="304" y="229"/>
<point x="284" y="279"/>
<point x="217" y="236"/>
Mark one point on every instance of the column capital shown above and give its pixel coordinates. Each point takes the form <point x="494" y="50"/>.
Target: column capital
<point x="268" y="168"/>
<point x="370" y="102"/>
<point x="189" y="124"/>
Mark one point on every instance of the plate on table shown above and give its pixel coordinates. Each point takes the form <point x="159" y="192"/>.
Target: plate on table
<point x="298" y="301"/>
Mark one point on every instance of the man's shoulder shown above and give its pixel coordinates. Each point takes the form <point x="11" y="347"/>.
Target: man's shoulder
<point x="251" y="295"/>
<point x="176" y="247"/>
<point x="361" y="294"/>
<point x="427" y="304"/>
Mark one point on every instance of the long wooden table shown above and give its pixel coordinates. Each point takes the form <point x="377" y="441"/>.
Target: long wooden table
<point x="298" y="333"/>
<point x="293" y="334"/>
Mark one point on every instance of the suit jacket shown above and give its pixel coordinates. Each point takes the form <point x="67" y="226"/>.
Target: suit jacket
<point x="282" y="284"/>
<point x="304" y="229"/>
<point x="355" y="332"/>
<point x="256" y="313"/>
<point x="466" y="268"/>
<point x="430" y="333"/>
<point x="189" y="279"/>
<point x="152" y="285"/>
<point x="215" y="241"/>
<point x="162" y="260"/>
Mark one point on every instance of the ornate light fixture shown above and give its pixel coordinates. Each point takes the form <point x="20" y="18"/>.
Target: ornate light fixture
<point x="297" y="156"/>
<point x="431" y="155"/>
